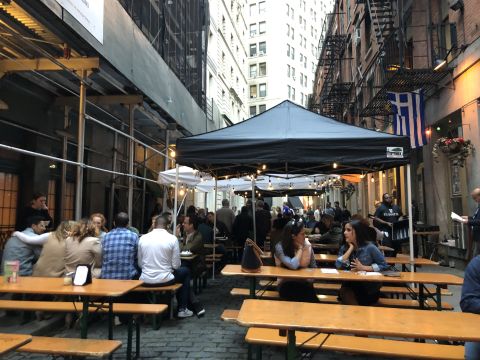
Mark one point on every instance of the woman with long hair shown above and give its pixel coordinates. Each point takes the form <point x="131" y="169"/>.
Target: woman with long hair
<point x="359" y="254"/>
<point x="99" y="221"/>
<point x="83" y="247"/>
<point x="295" y="252"/>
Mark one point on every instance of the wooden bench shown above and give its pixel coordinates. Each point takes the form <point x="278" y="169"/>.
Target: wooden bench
<point x="65" y="306"/>
<point x="332" y="299"/>
<point x="229" y="315"/>
<point x="387" y="290"/>
<point x="169" y="290"/>
<point x="68" y="347"/>
<point x="359" y="345"/>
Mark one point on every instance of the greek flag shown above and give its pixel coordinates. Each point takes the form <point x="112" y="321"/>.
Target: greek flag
<point x="409" y="116"/>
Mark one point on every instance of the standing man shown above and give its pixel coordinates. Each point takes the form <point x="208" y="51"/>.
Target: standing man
<point x="329" y="210"/>
<point x="474" y="222"/>
<point x="385" y="215"/>
<point x="263" y="223"/>
<point x="338" y="212"/>
<point x="26" y="254"/>
<point x="119" y="251"/>
<point x="226" y="215"/>
<point x="317" y="213"/>
<point x="470" y="301"/>
<point x="37" y="207"/>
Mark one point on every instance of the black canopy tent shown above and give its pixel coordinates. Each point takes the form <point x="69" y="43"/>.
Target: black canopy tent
<point x="290" y="139"/>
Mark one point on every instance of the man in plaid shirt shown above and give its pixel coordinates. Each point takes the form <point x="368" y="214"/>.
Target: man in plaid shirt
<point x="119" y="249"/>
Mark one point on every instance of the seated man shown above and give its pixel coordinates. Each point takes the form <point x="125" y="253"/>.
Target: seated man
<point x="194" y="243"/>
<point x="470" y="301"/>
<point x="159" y="259"/>
<point x="26" y="254"/>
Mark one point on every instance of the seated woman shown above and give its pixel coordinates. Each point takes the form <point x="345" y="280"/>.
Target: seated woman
<point x="294" y="252"/>
<point x="83" y="247"/>
<point x="359" y="254"/>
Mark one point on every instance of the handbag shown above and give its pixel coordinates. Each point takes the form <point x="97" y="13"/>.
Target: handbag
<point x="251" y="260"/>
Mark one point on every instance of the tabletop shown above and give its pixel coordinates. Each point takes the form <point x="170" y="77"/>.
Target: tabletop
<point x="55" y="286"/>
<point x="320" y="274"/>
<point x="10" y="342"/>
<point x="360" y="320"/>
<point x="188" y="257"/>
<point x="401" y="260"/>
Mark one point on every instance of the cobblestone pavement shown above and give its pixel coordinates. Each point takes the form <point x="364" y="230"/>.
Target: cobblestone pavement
<point x="204" y="338"/>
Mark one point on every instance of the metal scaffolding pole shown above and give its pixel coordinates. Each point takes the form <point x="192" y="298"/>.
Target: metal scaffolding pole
<point x="165" y="188"/>
<point x="81" y="145"/>
<point x="131" y="154"/>
<point x="113" y="185"/>
<point x="63" y="184"/>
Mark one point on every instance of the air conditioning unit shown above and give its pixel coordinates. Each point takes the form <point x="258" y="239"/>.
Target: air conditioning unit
<point x="356" y="36"/>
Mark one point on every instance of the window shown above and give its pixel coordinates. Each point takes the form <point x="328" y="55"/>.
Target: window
<point x="288" y="30"/>
<point x="262" y="108"/>
<point x="51" y="199"/>
<point x="8" y="202"/>
<point x="301" y="57"/>
<point x="300" y="19"/>
<point x="253" y="71"/>
<point x="262" y="69"/>
<point x="262" y="48"/>
<point x="253" y="110"/>
<point x="288" y="50"/>
<point x="263" y="90"/>
<point x="301" y="78"/>
<point x="289" y="89"/>
<point x="304" y="24"/>
<point x="293" y="33"/>
<point x="253" y="9"/>
<point x="305" y="80"/>
<point x="69" y="201"/>
<point x="293" y="73"/>
<point x="253" y="91"/>
<point x="253" y="30"/>
<point x="301" y="98"/>
<point x="261" y="7"/>
<point x="253" y="49"/>
<point x="293" y="53"/>
<point x="368" y="31"/>
<point x="288" y="10"/>
<point x="293" y="93"/>
<point x="305" y="62"/>
<point x="292" y="12"/>
<point x="288" y="70"/>
<point x="262" y="27"/>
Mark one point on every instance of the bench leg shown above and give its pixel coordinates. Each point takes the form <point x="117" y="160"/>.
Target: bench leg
<point x="250" y="352"/>
<point x="84" y="320"/>
<point x="253" y="285"/>
<point x="439" y="298"/>
<point x="421" y="296"/>
<point x="259" y="352"/>
<point x="291" y="345"/>
<point x="110" y="323"/>
<point x="171" y="305"/>
<point x="129" y="337"/>
<point x="137" y="338"/>
<point x="154" y="316"/>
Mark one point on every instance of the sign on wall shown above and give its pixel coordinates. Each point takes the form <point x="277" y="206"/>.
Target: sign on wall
<point x="89" y="13"/>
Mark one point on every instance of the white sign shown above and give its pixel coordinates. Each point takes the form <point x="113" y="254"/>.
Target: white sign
<point x="395" y="152"/>
<point x="89" y="13"/>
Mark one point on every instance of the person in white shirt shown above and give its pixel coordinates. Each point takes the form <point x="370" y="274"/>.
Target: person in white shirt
<point x="317" y="214"/>
<point x="159" y="259"/>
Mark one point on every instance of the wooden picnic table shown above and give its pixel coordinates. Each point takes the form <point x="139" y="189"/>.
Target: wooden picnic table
<point x="188" y="257"/>
<point x="106" y="288"/>
<point x="358" y="320"/>
<point x="399" y="260"/>
<point x="10" y="342"/>
<point x="405" y="278"/>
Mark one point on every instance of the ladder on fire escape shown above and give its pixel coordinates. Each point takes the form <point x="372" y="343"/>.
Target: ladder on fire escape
<point x="383" y="19"/>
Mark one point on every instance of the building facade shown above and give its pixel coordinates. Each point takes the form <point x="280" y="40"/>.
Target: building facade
<point x="89" y="108"/>
<point x="226" y="62"/>
<point x="369" y="48"/>
<point x="282" y="50"/>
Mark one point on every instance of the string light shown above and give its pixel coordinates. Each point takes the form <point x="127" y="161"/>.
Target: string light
<point x="335" y="165"/>
<point x="372" y="179"/>
<point x="264" y="167"/>
<point x="173" y="153"/>
<point x="201" y="178"/>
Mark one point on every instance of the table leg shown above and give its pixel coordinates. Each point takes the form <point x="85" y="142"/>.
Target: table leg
<point x="129" y="337"/>
<point x="439" y="298"/>
<point x="84" y="320"/>
<point x="421" y="296"/>
<point x="291" y="345"/>
<point x="110" y="323"/>
<point x="253" y="284"/>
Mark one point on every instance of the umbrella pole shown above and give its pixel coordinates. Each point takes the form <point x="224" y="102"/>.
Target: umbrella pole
<point x="176" y="201"/>
<point x="214" y="227"/>
<point x="253" y="210"/>
<point x="410" y="215"/>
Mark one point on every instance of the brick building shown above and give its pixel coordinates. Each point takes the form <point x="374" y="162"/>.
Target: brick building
<point x="371" y="47"/>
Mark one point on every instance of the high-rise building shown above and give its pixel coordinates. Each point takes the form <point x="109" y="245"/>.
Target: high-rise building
<point x="283" y="39"/>
<point x="226" y="62"/>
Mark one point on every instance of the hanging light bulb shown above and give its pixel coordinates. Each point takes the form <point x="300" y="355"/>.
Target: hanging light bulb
<point x="173" y="153"/>
<point x="259" y="171"/>
<point x="383" y="173"/>
<point x="335" y="165"/>
<point x="264" y="167"/>
<point x="201" y="178"/>
<point x="314" y="182"/>
<point x="181" y="192"/>
<point x="372" y="179"/>
<point x="291" y="186"/>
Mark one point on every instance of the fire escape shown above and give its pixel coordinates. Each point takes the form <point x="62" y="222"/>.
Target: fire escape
<point x="334" y="94"/>
<point x="393" y="67"/>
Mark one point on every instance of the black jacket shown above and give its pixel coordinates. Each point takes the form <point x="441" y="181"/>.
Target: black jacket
<point x="474" y="222"/>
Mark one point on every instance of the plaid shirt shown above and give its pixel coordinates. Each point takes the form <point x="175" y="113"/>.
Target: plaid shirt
<point x="119" y="249"/>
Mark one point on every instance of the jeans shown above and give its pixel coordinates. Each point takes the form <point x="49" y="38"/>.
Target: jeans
<point x="472" y="350"/>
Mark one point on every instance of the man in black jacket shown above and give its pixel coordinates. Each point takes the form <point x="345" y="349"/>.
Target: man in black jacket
<point x="474" y="222"/>
<point x="387" y="214"/>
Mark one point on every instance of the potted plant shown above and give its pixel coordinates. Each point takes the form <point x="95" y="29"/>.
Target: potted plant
<point x="457" y="148"/>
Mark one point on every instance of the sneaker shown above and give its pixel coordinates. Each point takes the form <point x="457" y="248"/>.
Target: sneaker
<point x="198" y="309"/>
<point x="184" y="313"/>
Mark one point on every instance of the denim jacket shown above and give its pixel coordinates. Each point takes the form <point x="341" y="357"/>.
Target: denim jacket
<point x="368" y="255"/>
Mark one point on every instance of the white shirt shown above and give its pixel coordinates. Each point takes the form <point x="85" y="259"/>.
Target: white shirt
<point x="316" y="213"/>
<point x="158" y="256"/>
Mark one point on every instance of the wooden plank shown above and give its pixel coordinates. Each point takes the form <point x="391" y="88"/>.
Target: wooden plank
<point x="229" y="315"/>
<point x="362" y="320"/>
<point x="359" y="345"/>
<point x="401" y="260"/>
<point x="70" y="346"/>
<point x="9" y="342"/>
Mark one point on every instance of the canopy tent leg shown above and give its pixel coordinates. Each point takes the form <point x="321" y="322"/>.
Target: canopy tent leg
<point x="81" y="146"/>
<point x="176" y="201"/>
<point x="214" y="228"/>
<point x="253" y="210"/>
<point x="410" y="215"/>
